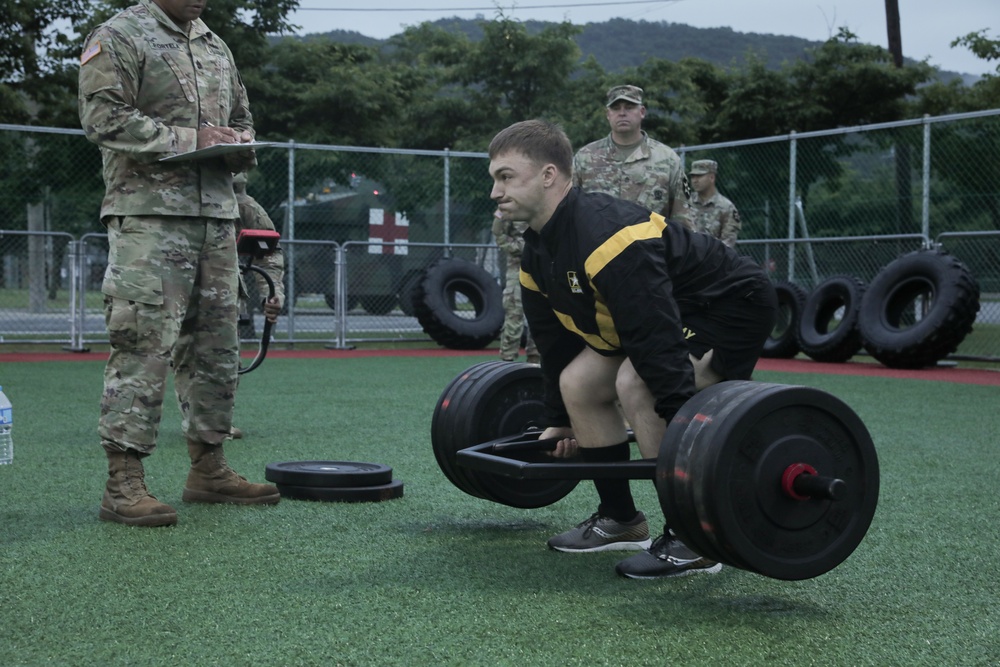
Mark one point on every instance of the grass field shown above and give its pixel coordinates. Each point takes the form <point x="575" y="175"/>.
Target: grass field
<point x="441" y="578"/>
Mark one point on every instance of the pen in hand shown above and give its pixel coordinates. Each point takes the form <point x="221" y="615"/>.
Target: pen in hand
<point x="210" y="135"/>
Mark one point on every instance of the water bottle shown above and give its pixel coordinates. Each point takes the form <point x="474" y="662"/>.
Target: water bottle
<point x="6" y="424"/>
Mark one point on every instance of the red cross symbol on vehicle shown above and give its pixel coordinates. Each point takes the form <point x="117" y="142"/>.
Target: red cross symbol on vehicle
<point x="389" y="229"/>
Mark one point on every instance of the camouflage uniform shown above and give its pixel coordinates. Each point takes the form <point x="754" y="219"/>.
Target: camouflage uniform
<point x="652" y="176"/>
<point x="510" y="239"/>
<point x="716" y="217"/>
<point x="172" y="278"/>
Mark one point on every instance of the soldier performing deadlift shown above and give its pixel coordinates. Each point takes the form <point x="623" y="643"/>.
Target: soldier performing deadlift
<point x="628" y="306"/>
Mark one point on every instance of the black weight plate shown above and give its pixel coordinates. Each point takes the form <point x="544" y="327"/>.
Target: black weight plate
<point x="489" y="401"/>
<point x="461" y="434"/>
<point x="328" y="473"/>
<point x="442" y="428"/>
<point x="506" y="401"/>
<point x="343" y="494"/>
<point x="716" y="406"/>
<point x="720" y="468"/>
<point x="675" y="468"/>
<point x="445" y="439"/>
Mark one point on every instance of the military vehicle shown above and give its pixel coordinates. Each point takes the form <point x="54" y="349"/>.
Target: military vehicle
<point x="379" y="264"/>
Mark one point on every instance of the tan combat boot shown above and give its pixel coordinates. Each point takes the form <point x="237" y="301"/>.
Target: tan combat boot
<point x="126" y="499"/>
<point x="211" y="480"/>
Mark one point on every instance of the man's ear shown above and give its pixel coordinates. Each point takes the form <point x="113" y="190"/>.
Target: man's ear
<point x="549" y="174"/>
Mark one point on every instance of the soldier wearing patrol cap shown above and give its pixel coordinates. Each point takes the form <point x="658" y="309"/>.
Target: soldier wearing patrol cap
<point x="629" y="165"/>
<point x="712" y="213"/>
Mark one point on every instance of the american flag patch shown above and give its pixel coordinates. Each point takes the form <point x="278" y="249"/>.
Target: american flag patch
<point x="90" y="53"/>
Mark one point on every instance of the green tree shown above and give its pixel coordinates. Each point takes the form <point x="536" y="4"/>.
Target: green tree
<point x="985" y="93"/>
<point x="517" y="75"/>
<point x="963" y="154"/>
<point x="441" y="113"/>
<point x="846" y="83"/>
<point x="35" y="71"/>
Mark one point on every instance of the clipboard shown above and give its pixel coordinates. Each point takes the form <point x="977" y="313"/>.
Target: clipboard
<point x="215" y="151"/>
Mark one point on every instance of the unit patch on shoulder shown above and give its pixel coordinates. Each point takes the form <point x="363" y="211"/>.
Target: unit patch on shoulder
<point x="90" y="52"/>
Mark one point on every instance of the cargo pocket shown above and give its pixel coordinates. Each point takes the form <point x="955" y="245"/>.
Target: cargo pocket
<point x="133" y="300"/>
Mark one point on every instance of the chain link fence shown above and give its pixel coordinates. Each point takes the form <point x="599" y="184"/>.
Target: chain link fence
<point x="359" y="225"/>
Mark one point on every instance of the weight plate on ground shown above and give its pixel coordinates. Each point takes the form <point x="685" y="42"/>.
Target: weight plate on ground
<point x="489" y="401"/>
<point x="328" y="473"/>
<point x="343" y="494"/>
<point x="719" y="477"/>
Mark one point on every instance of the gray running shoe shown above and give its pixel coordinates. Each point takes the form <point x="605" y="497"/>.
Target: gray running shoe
<point x="600" y="533"/>
<point x="668" y="557"/>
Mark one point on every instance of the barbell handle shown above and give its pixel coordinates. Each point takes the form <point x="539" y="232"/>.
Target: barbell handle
<point x="819" y="487"/>
<point x="527" y="444"/>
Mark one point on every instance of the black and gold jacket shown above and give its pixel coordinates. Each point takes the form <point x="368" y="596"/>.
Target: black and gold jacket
<point x="610" y="274"/>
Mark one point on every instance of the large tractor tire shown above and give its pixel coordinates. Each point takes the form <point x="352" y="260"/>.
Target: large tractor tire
<point x="918" y="309"/>
<point x="459" y="304"/>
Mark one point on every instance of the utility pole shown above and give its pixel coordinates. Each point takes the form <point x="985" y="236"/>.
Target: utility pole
<point x="904" y="189"/>
<point x="892" y="24"/>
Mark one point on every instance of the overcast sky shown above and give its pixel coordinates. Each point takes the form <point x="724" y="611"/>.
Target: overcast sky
<point x="928" y="26"/>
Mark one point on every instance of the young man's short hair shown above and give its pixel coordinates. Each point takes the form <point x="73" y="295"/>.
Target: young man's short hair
<point x="541" y="141"/>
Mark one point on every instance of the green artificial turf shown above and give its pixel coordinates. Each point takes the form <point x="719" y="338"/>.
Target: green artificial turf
<point x="442" y="578"/>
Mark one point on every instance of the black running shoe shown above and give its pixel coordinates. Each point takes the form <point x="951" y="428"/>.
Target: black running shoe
<point x="667" y="557"/>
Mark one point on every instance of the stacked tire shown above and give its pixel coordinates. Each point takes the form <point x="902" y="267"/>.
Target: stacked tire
<point x="334" y="481"/>
<point x="828" y="329"/>
<point x="783" y="342"/>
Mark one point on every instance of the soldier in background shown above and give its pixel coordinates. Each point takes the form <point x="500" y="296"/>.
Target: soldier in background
<point x="253" y="216"/>
<point x="154" y="81"/>
<point x="712" y="213"/>
<point x="629" y="165"/>
<point x="510" y="239"/>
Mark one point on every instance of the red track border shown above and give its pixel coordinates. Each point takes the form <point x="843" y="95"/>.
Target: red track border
<point x="937" y="373"/>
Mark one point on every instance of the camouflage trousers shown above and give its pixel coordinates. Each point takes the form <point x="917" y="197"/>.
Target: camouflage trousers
<point x="513" y="321"/>
<point x="170" y="300"/>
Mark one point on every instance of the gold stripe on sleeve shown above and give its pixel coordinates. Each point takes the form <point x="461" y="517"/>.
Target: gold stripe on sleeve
<point x="625" y="237"/>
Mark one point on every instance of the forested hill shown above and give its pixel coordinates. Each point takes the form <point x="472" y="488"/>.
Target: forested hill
<point x="621" y="43"/>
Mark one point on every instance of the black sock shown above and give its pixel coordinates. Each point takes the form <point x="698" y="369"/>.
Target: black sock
<point x="615" y="494"/>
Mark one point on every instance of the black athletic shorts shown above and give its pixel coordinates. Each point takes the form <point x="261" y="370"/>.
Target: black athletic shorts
<point x="735" y="327"/>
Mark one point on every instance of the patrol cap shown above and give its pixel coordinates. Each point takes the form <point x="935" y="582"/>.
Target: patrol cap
<point x="628" y="93"/>
<point x="699" y="167"/>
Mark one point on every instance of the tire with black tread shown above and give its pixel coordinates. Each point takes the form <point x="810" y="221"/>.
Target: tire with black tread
<point x="434" y="296"/>
<point x="890" y="329"/>
<point x="816" y="337"/>
<point x="783" y="342"/>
